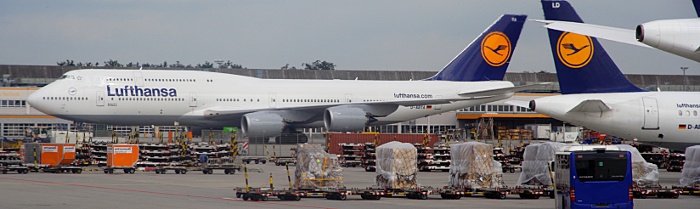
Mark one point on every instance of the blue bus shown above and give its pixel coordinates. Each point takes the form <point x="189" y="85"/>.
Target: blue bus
<point x="593" y="177"/>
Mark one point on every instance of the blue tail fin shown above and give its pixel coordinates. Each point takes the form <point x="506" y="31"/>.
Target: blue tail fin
<point x="487" y="57"/>
<point x="582" y="64"/>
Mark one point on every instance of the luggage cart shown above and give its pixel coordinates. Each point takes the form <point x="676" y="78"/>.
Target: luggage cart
<point x="228" y="164"/>
<point x="264" y="193"/>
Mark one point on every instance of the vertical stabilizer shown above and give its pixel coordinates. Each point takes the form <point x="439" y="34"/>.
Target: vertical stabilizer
<point x="487" y="57"/>
<point x="582" y="64"/>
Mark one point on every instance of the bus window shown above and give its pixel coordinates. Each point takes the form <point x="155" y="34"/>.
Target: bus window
<point x="601" y="167"/>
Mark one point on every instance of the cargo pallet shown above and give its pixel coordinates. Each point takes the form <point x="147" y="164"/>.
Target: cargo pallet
<point x="129" y="170"/>
<point x="658" y="191"/>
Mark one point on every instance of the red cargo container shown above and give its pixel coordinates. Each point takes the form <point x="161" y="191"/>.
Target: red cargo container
<point x="333" y="139"/>
<point x="122" y="156"/>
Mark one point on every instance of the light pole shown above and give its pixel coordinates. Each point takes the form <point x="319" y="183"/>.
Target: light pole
<point x="683" y="69"/>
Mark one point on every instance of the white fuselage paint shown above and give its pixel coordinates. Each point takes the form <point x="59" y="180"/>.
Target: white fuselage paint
<point x="634" y="115"/>
<point x="83" y="96"/>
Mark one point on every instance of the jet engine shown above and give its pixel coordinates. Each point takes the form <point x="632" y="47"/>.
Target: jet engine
<point x="345" y="119"/>
<point x="262" y="124"/>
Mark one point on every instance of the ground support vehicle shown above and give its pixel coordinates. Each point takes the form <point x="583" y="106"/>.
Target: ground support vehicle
<point x="228" y="164"/>
<point x="10" y="162"/>
<point x="254" y="159"/>
<point x="280" y="161"/>
<point x="62" y="169"/>
<point x="126" y="169"/>
<point x="164" y="169"/>
<point x="418" y="193"/>
<point x="16" y="168"/>
<point x="511" y="168"/>
<point x="502" y="192"/>
<point x="343" y="193"/>
<point x="122" y="156"/>
<point x="693" y="189"/>
<point x="658" y="191"/>
<point x="263" y="194"/>
<point x="457" y="192"/>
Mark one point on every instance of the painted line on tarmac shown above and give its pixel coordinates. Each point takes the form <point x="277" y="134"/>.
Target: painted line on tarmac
<point x="163" y="193"/>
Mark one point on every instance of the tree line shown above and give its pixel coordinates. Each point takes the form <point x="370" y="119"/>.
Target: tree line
<point x="316" y="65"/>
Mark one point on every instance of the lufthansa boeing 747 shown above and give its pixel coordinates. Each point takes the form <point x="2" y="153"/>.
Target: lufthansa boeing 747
<point x="269" y="107"/>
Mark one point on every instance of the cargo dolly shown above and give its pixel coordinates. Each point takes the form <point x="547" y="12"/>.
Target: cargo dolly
<point x="62" y="169"/>
<point x="263" y="193"/>
<point x="642" y="192"/>
<point x="4" y="168"/>
<point x="254" y="159"/>
<point x="227" y="164"/>
<point x="280" y="161"/>
<point x="12" y="162"/>
<point x="693" y="189"/>
<point x="164" y="169"/>
<point x="126" y="169"/>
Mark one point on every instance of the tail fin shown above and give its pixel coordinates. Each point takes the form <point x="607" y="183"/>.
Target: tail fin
<point x="696" y="4"/>
<point x="582" y="64"/>
<point x="487" y="57"/>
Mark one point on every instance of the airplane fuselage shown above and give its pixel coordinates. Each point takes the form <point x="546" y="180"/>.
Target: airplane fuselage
<point x="666" y="119"/>
<point x="162" y="97"/>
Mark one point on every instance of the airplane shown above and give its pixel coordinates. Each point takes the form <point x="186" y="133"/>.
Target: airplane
<point x="271" y="107"/>
<point x="596" y="95"/>
<point x="676" y="36"/>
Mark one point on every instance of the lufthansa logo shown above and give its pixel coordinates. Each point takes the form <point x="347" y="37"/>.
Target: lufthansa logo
<point x="574" y="50"/>
<point x="495" y="48"/>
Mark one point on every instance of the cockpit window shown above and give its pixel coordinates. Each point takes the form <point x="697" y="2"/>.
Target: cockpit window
<point x="67" y="77"/>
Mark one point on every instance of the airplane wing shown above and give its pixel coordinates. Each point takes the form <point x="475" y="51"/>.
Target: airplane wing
<point x="383" y="105"/>
<point x="609" y="33"/>
<point x="500" y="91"/>
<point x="591" y="106"/>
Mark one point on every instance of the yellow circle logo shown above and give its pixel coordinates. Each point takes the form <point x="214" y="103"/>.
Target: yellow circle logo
<point x="574" y="50"/>
<point x="495" y="48"/>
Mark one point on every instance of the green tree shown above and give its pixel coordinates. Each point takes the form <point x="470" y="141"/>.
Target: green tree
<point x="319" y="65"/>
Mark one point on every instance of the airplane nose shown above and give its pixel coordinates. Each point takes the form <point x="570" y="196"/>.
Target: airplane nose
<point x="34" y="100"/>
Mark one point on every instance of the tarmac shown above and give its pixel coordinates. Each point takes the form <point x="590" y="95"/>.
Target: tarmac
<point x="94" y="189"/>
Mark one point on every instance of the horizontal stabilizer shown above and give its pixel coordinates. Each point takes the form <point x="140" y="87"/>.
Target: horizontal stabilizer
<point x="501" y="91"/>
<point x="591" y="106"/>
<point x="609" y="33"/>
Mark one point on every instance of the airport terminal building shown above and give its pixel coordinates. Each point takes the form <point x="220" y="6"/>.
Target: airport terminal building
<point x="19" y="81"/>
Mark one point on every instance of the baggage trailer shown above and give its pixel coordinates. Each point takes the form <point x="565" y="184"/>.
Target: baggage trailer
<point x="280" y="161"/>
<point x="10" y="162"/>
<point x="50" y="157"/>
<point x="255" y="159"/>
<point x="263" y="194"/>
<point x="176" y="168"/>
<point x="657" y="190"/>
<point x="122" y="156"/>
<point x="503" y="192"/>
<point x="693" y="189"/>
<point x="229" y="164"/>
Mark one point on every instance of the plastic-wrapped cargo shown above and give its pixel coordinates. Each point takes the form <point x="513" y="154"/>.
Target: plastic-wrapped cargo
<point x="691" y="168"/>
<point x="472" y="166"/>
<point x="397" y="165"/>
<point x="535" y="160"/>
<point x="315" y="168"/>
<point x="643" y="173"/>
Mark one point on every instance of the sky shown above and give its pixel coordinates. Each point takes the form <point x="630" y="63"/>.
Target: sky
<point x="267" y="34"/>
